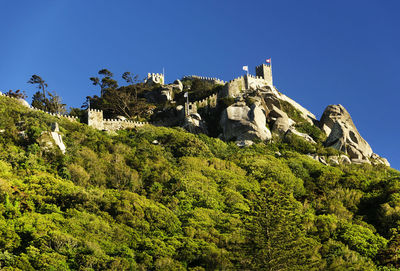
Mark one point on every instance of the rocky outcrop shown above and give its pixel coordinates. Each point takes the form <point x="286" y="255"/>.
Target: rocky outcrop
<point x="303" y="135"/>
<point x="24" y="102"/>
<point x="48" y="140"/>
<point x="376" y="160"/>
<point x="178" y="85"/>
<point x="273" y="96"/>
<point x="243" y="124"/>
<point x="194" y="124"/>
<point x="343" y="135"/>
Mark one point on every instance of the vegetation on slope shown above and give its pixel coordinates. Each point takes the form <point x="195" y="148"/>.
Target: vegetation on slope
<point x="164" y="199"/>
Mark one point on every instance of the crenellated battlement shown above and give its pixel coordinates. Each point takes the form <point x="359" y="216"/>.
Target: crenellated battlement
<point x="209" y="79"/>
<point x="96" y="120"/>
<point x="265" y="72"/>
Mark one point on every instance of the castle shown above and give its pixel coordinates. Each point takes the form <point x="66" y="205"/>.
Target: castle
<point x="96" y="120"/>
<point x="233" y="89"/>
<point x="154" y="78"/>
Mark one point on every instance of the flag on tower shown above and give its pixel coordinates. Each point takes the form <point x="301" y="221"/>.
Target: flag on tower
<point x="268" y="60"/>
<point x="246" y="68"/>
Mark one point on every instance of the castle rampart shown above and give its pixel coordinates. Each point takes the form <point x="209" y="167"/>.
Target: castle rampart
<point x="265" y="71"/>
<point x="234" y="87"/>
<point x="210" y="101"/>
<point x="208" y="79"/>
<point x="254" y="82"/>
<point x="96" y="120"/>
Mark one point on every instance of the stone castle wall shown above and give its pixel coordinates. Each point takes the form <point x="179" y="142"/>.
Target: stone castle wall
<point x="233" y="88"/>
<point x="254" y="82"/>
<point x="208" y="79"/>
<point x="265" y="71"/>
<point x="210" y="102"/>
<point x="96" y="120"/>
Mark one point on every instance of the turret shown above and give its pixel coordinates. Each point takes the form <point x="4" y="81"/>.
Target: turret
<point x="265" y="72"/>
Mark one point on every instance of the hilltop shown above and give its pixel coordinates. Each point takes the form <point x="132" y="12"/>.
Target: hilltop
<point x="245" y="110"/>
<point x="159" y="198"/>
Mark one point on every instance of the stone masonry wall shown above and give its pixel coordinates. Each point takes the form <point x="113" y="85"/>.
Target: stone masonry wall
<point x="254" y="82"/>
<point x="209" y="79"/>
<point x="265" y="71"/>
<point x="233" y="88"/>
<point x="96" y="120"/>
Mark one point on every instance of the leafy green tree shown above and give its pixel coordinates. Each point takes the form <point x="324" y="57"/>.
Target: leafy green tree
<point x="132" y="80"/>
<point x="106" y="83"/>
<point x="16" y="94"/>
<point x="39" y="101"/>
<point x="41" y="84"/>
<point x="276" y="237"/>
<point x="50" y="102"/>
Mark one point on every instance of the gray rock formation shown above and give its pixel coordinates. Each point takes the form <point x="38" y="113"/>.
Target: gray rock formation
<point x="344" y="159"/>
<point x="24" y="103"/>
<point x="55" y="134"/>
<point x="376" y="160"/>
<point x="194" y="124"/>
<point x="242" y="123"/>
<point x="281" y="122"/>
<point x="343" y="135"/>
<point x="304" y="136"/>
<point x="333" y="160"/>
<point x="178" y="85"/>
<point x="281" y="126"/>
<point x="166" y="93"/>
<point x="49" y="140"/>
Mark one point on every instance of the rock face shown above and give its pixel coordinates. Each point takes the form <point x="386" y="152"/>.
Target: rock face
<point x="342" y="133"/>
<point x="57" y="137"/>
<point x="379" y="160"/>
<point x="24" y="103"/>
<point x="243" y="124"/>
<point x="194" y="124"/>
<point x="303" y="135"/>
<point x="178" y="84"/>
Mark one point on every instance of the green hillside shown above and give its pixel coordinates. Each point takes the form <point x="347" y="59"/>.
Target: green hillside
<point x="156" y="198"/>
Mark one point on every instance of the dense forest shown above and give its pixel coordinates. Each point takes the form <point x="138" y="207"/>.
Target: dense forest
<point x="156" y="198"/>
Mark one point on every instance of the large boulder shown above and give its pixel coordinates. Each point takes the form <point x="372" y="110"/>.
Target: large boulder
<point x="343" y="134"/>
<point x="281" y="126"/>
<point x="24" y="102"/>
<point x="242" y="123"/>
<point x="194" y="124"/>
<point x="376" y="160"/>
<point x="281" y="122"/>
<point x="303" y="135"/>
<point x="178" y="85"/>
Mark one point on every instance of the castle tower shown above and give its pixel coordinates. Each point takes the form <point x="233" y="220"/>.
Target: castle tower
<point x="95" y="118"/>
<point x="154" y="78"/>
<point x="265" y="72"/>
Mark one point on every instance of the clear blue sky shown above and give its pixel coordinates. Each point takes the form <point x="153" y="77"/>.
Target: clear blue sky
<point x="323" y="52"/>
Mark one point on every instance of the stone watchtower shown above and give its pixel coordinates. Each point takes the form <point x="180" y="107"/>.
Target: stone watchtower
<point x="154" y="78"/>
<point x="95" y="118"/>
<point x="265" y="71"/>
